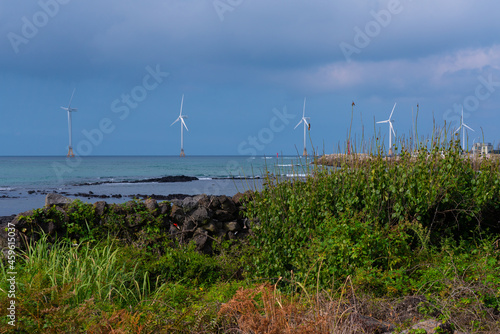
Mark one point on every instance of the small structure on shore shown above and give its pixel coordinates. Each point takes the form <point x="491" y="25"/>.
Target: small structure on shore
<point x="482" y="148"/>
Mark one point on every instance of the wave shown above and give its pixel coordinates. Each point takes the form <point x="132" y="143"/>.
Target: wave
<point x="7" y="189"/>
<point x="296" y="175"/>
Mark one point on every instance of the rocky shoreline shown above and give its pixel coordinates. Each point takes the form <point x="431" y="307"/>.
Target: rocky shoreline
<point x="90" y="194"/>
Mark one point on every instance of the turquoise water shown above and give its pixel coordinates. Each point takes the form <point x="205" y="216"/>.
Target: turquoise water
<point x="25" y="180"/>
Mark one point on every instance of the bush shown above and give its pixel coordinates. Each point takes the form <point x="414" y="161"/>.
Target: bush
<point x="374" y="216"/>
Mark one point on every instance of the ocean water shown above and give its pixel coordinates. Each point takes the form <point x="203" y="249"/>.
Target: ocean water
<point x="24" y="181"/>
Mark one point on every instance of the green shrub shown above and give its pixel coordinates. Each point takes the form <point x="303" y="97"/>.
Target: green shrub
<point x="186" y="265"/>
<point x="373" y="217"/>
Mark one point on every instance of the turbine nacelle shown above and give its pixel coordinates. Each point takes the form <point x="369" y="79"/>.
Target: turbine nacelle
<point x="69" y="109"/>
<point x="465" y="126"/>
<point x="390" y="121"/>
<point x="181" y="118"/>
<point x="303" y="120"/>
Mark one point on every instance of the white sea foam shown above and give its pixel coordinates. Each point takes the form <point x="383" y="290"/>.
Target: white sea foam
<point x="295" y="175"/>
<point x="7" y="189"/>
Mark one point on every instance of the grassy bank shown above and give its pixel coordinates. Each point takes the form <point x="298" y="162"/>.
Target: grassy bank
<point x="376" y="239"/>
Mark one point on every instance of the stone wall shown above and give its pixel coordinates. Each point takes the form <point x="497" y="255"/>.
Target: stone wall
<point x="201" y="218"/>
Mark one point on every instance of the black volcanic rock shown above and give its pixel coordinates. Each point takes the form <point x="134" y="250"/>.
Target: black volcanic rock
<point x="163" y="179"/>
<point x="172" y="178"/>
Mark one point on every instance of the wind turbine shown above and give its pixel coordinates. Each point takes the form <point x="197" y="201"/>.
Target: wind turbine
<point x="181" y="118"/>
<point x="70" y="110"/>
<point x="304" y="120"/>
<point x="463" y="126"/>
<point x="391" y="128"/>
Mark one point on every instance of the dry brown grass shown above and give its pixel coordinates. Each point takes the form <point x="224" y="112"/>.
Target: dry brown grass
<point x="265" y="310"/>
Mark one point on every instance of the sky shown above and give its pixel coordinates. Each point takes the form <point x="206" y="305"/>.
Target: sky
<point x="244" y="68"/>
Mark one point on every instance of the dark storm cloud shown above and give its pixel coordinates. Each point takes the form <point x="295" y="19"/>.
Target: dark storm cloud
<point x="279" y="50"/>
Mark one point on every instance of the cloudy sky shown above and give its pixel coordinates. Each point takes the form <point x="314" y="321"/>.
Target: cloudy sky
<point x="244" y="68"/>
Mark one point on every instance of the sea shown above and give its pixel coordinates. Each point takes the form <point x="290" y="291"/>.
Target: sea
<point x="25" y="181"/>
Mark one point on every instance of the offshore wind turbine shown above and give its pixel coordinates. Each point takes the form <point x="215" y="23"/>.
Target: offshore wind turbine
<point x="70" y="110"/>
<point x="463" y="126"/>
<point x="306" y="125"/>
<point x="183" y="124"/>
<point x="391" y="128"/>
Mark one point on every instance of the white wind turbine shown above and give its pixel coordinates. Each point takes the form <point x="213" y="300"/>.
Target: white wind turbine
<point x="181" y="118"/>
<point x="304" y="120"/>
<point x="463" y="126"/>
<point x="70" y="110"/>
<point x="391" y="128"/>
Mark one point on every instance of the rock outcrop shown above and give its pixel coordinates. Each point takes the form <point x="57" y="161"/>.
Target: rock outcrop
<point x="56" y="199"/>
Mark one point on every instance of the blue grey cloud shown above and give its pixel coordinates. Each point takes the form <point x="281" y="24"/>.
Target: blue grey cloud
<point x="243" y="58"/>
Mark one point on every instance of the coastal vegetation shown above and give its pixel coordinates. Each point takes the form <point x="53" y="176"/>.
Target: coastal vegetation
<point x="373" y="245"/>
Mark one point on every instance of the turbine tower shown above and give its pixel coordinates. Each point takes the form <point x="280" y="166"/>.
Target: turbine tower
<point x="304" y="120"/>
<point x="391" y="129"/>
<point x="181" y="118"/>
<point x="463" y="126"/>
<point x="70" y="110"/>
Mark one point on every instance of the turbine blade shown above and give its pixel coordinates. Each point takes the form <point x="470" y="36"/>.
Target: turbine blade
<point x="392" y="129"/>
<point x="304" y="109"/>
<point x="298" y="124"/>
<point x="71" y="99"/>
<point x="184" y="123"/>
<point x="468" y="127"/>
<point x="382" y="122"/>
<point x="393" y="110"/>
<point x="458" y="129"/>
<point x="182" y="102"/>
<point x="64" y="108"/>
<point x="175" y="121"/>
